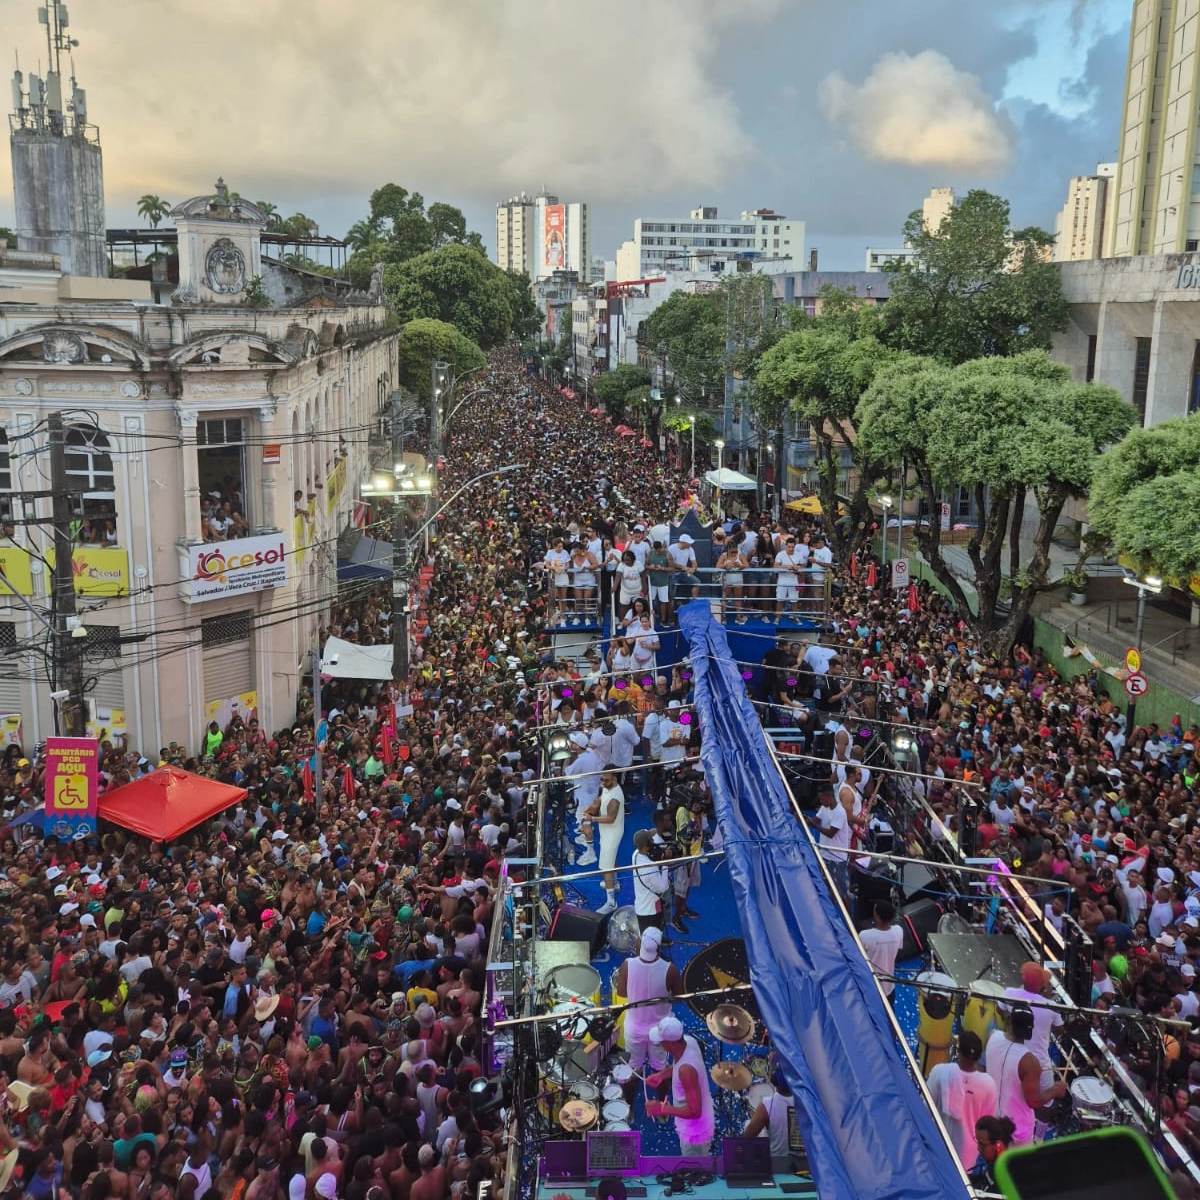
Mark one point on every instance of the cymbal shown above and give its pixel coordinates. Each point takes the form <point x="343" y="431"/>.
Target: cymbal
<point x="577" y="1115"/>
<point x="730" y="1077"/>
<point x="730" y="1023"/>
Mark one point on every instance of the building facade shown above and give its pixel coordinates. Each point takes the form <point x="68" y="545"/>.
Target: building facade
<point x="1158" y="166"/>
<point x="706" y="241"/>
<point x="1135" y="325"/>
<point x="213" y="450"/>
<point x="514" y="235"/>
<point x="1084" y="223"/>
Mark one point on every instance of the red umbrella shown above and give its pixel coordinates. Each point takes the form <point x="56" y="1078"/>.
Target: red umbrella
<point x="854" y="566"/>
<point x="348" y="785"/>
<point x="624" y="431"/>
<point x="872" y="577"/>
<point x="647" y="443"/>
<point x="386" y="748"/>
<point x="594" y="411"/>
<point x="914" y="603"/>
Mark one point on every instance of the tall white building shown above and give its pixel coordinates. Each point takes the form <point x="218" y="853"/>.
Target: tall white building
<point x="1158" y="166"/>
<point x="936" y="207"/>
<point x="1085" y="221"/>
<point x="706" y="241"/>
<point x="514" y="234"/>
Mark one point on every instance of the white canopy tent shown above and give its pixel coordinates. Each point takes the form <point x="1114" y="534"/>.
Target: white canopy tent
<point x="348" y="660"/>
<point x="729" y="480"/>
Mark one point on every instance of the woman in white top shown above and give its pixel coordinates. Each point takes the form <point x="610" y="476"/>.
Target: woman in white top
<point x="583" y="569"/>
<point x="558" y="564"/>
<point x="609" y="815"/>
<point x="646" y="645"/>
<point x="629" y="577"/>
<point x="620" y="656"/>
<point x="633" y="616"/>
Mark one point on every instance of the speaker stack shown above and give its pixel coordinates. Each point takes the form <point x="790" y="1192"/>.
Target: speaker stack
<point x="572" y="924"/>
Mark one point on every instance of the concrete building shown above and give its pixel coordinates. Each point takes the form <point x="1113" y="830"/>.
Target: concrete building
<point x="514" y="235"/>
<point x="1135" y="324"/>
<point x="936" y="207"/>
<point x="1158" y="165"/>
<point x="705" y="241"/>
<point x="804" y="288"/>
<point x="57" y="166"/>
<point x="883" y="260"/>
<point x="554" y="294"/>
<point x="562" y="238"/>
<point x="1085" y="221"/>
<point x="222" y="391"/>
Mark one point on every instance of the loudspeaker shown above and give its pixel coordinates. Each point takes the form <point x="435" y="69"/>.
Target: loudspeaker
<point x="918" y="920"/>
<point x="572" y="924"/>
<point x="822" y="744"/>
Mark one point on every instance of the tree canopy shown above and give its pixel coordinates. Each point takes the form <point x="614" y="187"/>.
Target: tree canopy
<point x="616" y="388"/>
<point x="1145" y="496"/>
<point x="976" y="287"/>
<point x="689" y="331"/>
<point x="424" y="341"/>
<point x="153" y="209"/>
<point x="457" y="284"/>
<point x="1004" y="428"/>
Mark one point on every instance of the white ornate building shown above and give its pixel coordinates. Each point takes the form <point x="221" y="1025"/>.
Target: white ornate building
<point x="223" y="390"/>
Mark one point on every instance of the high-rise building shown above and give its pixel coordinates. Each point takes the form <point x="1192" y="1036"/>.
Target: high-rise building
<point x="58" y="171"/>
<point x="514" y="234"/>
<point x="1158" y="167"/>
<point x="1082" y="228"/>
<point x="936" y="207"/>
<point x="705" y="241"/>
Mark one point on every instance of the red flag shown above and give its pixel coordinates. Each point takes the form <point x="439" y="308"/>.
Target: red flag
<point x="914" y="603"/>
<point x="387" y="750"/>
<point x="854" y="566"/>
<point x="348" y="781"/>
<point x="306" y="776"/>
<point x="872" y="577"/>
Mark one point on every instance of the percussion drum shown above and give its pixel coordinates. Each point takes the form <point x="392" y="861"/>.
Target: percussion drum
<point x="1094" y="1102"/>
<point x="618" y="999"/>
<point x="757" y="1094"/>
<point x="622" y="1073"/>
<point x="935" y="1024"/>
<point x="612" y="1091"/>
<point x="615" y="1112"/>
<point x="555" y="1087"/>
<point x="981" y="1012"/>
<point x="575" y="983"/>
<point x="584" y="1089"/>
<point x="570" y="1024"/>
<point x="617" y="1127"/>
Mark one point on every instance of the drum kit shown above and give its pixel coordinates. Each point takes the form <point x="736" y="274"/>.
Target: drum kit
<point x="741" y="1085"/>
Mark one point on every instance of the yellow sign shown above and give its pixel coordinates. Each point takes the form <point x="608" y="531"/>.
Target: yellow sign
<point x="334" y="485"/>
<point x="11" y="733"/>
<point x="1133" y="661"/>
<point x="104" y="724"/>
<point x="223" y="711"/>
<point x="302" y="535"/>
<point x="15" y="567"/>
<point x="98" y="571"/>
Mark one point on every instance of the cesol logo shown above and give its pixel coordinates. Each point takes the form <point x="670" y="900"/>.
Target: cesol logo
<point x="215" y="566"/>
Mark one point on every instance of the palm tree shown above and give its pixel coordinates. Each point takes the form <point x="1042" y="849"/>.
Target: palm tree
<point x="363" y="234"/>
<point x="153" y="209"/>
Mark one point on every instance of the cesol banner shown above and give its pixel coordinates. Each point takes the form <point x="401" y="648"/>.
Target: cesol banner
<point x="242" y="565"/>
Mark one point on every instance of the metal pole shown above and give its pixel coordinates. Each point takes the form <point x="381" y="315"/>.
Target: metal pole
<point x="900" y="511"/>
<point x="318" y="785"/>
<point x="68" y="666"/>
<point x="1141" y="615"/>
<point x="400" y="557"/>
<point x="693" y="470"/>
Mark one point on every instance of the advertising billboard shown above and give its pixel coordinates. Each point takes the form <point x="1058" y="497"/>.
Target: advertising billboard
<point x="72" y="766"/>
<point x="554" y="237"/>
<point x="242" y="565"/>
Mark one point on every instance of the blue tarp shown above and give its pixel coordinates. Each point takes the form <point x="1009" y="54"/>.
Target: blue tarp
<point x="867" y="1129"/>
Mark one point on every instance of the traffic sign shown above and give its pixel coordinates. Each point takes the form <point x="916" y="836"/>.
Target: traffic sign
<point x="1133" y="660"/>
<point x="1136" y="685"/>
<point x="899" y="573"/>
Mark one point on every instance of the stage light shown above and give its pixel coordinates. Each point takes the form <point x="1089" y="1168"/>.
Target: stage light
<point x="902" y="744"/>
<point x="558" y="746"/>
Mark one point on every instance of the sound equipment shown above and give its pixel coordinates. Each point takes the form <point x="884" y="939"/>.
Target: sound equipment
<point x="822" y="744"/>
<point x="573" y="924"/>
<point x="1078" y="973"/>
<point x="919" y="919"/>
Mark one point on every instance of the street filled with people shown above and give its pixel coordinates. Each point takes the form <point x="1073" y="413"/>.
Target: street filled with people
<point x="289" y="1000"/>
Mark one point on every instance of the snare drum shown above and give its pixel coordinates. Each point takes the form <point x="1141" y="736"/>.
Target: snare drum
<point x="757" y="1093"/>
<point x="615" y="1112"/>
<point x="570" y="1024"/>
<point x="575" y="983"/>
<point x="622" y="1073"/>
<point x="617" y="1127"/>
<point x="1094" y="1102"/>
<point x="612" y="1091"/>
<point x="980" y="1014"/>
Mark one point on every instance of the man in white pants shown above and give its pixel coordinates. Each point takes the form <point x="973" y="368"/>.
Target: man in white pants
<point x="584" y="770"/>
<point x="647" y="976"/>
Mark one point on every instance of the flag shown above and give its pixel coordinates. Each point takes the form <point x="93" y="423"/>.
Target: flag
<point x="348" y="781"/>
<point x="306" y="776"/>
<point x="854" y="566"/>
<point x="388" y="753"/>
<point x="872" y="577"/>
<point x="914" y="603"/>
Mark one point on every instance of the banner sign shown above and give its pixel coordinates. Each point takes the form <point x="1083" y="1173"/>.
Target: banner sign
<point x="554" y="236"/>
<point x="17" y="568"/>
<point x="72" y="767"/>
<point x="242" y="565"/>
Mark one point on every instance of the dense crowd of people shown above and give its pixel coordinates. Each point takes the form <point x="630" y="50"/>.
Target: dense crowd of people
<point x="290" y="1000"/>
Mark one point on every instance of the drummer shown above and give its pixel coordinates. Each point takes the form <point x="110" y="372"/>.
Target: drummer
<point x="691" y="1102"/>
<point x="773" y="1119"/>
<point x="1035" y="982"/>
<point x="647" y="976"/>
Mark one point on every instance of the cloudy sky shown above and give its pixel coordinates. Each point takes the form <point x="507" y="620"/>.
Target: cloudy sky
<point x="843" y="113"/>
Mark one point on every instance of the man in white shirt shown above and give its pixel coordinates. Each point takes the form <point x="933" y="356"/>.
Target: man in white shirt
<point x="1034" y="981"/>
<point x="681" y="559"/>
<point x="835" y="837"/>
<point x="650" y="883"/>
<point x="881" y="944"/>
<point x="584" y="769"/>
<point x="788" y="562"/>
<point x="820" y="556"/>
<point x="963" y="1093"/>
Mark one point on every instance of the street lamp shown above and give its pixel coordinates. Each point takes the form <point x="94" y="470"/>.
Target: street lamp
<point x="885" y="502"/>
<point x="1151" y="583"/>
<point x="692" y="423"/>
<point x="720" y="445"/>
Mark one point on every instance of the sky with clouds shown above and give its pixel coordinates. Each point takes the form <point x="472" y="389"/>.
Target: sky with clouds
<point x="843" y="114"/>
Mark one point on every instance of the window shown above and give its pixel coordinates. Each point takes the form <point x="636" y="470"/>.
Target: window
<point x="5" y="474"/>
<point x="103" y="671"/>
<point x="220" y="459"/>
<point x="1090" y="371"/>
<point x="227" y="646"/>
<point x="1194" y="393"/>
<point x="10" y="682"/>
<point x="962" y="504"/>
<point x="1141" y="376"/>
<point x="89" y="469"/>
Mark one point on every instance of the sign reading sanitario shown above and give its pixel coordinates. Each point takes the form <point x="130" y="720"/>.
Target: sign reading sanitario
<point x="242" y="565"/>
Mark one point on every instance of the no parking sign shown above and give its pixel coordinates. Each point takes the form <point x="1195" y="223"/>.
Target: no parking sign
<point x="899" y="573"/>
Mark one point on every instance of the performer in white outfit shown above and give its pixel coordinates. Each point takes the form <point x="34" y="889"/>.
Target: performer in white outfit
<point x="608" y="815"/>
<point x="691" y="1102"/>
<point x="647" y="976"/>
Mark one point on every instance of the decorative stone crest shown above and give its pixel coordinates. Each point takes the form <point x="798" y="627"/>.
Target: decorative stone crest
<point x="59" y="346"/>
<point x="225" y="268"/>
<point x="131" y="389"/>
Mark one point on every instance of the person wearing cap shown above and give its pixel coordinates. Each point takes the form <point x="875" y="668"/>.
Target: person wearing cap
<point x="650" y="883"/>
<point x="691" y="1102"/>
<point x="647" y="976"/>
<point x="962" y="1091"/>
<point x="1018" y="1075"/>
<point x="681" y="558"/>
<point x="584" y="772"/>
<point x="1035" y="984"/>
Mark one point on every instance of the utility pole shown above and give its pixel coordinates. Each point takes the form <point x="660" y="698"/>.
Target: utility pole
<point x="68" y="662"/>
<point x="400" y="552"/>
<point x="438" y="400"/>
<point x="318" y="781"/>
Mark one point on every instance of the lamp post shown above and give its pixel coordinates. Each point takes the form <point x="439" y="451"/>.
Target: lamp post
<point x="720" y="445"/>
<point x="692" y="423"/>
<point x="885" y="502"/>
<point x="1151" y="583"/>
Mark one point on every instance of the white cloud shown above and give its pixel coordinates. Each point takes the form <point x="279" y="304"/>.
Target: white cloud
<point x="920" y="110"/>
<point x="469" y="99"/>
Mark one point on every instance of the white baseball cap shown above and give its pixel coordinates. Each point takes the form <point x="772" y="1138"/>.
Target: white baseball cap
<point x="669" y="1029"/>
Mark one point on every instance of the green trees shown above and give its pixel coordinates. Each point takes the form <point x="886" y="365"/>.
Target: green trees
<point x="688" y="330"/>
<point x="1004" y="428"/>
<point x="1145" y="497"/>
<point x="821" y="371"/>
<point x="458" y="285"/>
<point x="977" y="287"/>
<point x="152" y="209"/>
<point x="616" y="387"/>
<point x="422" y="342"/>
